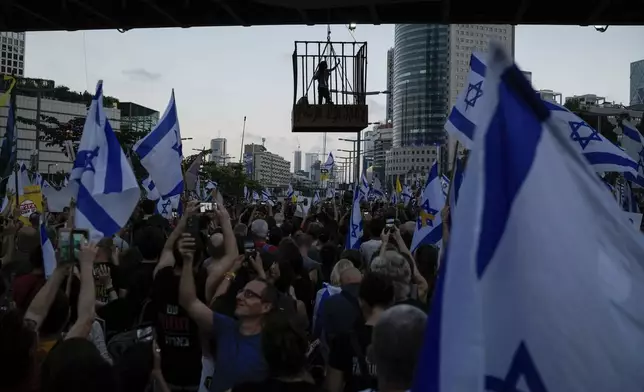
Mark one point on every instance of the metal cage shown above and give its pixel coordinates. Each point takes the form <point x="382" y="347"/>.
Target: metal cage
<point x="346" y="82"/>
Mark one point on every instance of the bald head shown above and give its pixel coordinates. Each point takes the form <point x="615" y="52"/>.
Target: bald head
<point x="350" y="276"/>
<point x="397" y="340"/>
<point x="217" y="239"/>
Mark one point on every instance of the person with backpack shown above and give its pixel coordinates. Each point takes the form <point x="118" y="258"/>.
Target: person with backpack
<point x="349" y="368"/>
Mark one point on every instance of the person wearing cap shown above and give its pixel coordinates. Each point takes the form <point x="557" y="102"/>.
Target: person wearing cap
<point x="259" y="232"/>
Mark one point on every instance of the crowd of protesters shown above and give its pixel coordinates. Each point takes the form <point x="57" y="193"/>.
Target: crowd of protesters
<point x="241" y="297"/>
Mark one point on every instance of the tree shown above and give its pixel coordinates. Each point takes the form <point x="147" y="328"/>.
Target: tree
<point x="230" y="179"/>
<point x="55" y="133"/>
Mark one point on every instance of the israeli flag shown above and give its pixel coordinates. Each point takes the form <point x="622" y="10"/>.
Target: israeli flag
<point x="245" y="192"/>
<point x="165" y="207"/>
<point x="354" y="235"/>
<point x="429" y="227"/>
<point x="633" y="143"/>
<point x="48" y="253"/>
<point x="363" y="190"/>
<point x="290" y="192"/>
<point x="330" y="161"/>
<point x="394" y="198"/>
<point x="456" y="185"/>
<point x="603" y="155"/>
<point x="376" y="189"/>
<point x="151" y="189"/>
<point x="255" y="196"/>
<point x="40" y="181"/>
<point x="445" y="184"/>
<point x="534" y="302"/>
<point x="629" y="201"/>
<point x="210" y="186"/>
<point x="330" y="193"/>
<point x="21" y="183"/>
<point x="107" y="188"/>
<point x="316" y="198"/>
<point x="463" y="118"/>
<point x="161" y="153"/>
<point x="406" y="195"/>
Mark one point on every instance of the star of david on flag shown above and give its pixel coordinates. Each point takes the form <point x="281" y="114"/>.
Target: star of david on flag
<point x="633" y="143"/>
<point x="104" y="184"/>
<point x="474" y="92"/>
<point x="429" y="227"/>
<point x="516" y="306"/>
<point x="602" y="154"/>
<point x="161" y="153"/>
<point x="579" y="128"/>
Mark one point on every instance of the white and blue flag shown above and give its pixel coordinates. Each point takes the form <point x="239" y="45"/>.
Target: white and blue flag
<point x="290" y="193"/>
<point x="602" y="154"/>
<point x="151" y="189"/>
<point x="363" y="190"/>
<point x="376" y="189"/>
<point x="161" y="153"/>
<point x="48" y="253"/>
<point x="406" y="194"/>
<point x="165" y="207"/>
<point x="429" y="228"/>
<point x="316" y="198"/>
<point x="107" y="190"/>
<point x="330" y="193"/>
<point x="542" y="287"/>
<point x="354" y="235"/>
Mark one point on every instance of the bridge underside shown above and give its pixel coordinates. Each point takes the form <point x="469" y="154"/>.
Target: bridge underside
<point x="39" y="15"/>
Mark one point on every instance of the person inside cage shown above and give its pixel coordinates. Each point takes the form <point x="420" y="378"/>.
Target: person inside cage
<point x="322" y="76"/>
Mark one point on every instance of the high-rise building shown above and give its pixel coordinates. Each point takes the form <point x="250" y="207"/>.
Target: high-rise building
<point x="390" y="86"/>
<point x="420" y="84"/>
<point x="297" y="161"/>
<point x="219" y="147"/>
<point x="271" y="170"/>
<point x="382" y="142"/>
<point x="431" y="65"/>
<point x="12" y="53"/>
<point x="309" y="159"/>
<point x="637" y="83"/>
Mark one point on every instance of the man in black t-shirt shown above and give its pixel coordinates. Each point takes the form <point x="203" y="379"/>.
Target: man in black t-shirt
<point x="349" y="368"/>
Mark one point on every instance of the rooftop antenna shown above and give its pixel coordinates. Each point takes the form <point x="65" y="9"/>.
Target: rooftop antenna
<point x="263" y="142"/>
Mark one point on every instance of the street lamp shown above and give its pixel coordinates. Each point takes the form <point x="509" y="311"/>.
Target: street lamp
<point x="356" y="148"/>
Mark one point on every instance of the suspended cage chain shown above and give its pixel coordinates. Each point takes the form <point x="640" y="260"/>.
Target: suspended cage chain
<point x="306" y="58"/>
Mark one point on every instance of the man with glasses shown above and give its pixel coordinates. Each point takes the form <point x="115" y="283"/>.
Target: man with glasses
<point x="239" y="357"/>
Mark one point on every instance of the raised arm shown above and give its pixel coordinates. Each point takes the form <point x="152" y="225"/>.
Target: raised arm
<point x="40" y="305"/>
<point x="87" y="296"/>
<point x="167" y="258"/>
<point x="197" y="310"/>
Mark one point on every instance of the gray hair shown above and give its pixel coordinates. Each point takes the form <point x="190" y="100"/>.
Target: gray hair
<point x="396" y="342"/>
<point x="393" y="265"/>
<point x="338" y="269"/>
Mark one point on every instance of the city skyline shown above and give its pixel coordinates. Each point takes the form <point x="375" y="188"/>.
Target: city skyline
<point x="229" y="79"/>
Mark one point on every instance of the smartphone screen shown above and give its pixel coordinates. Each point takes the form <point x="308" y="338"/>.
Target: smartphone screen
<point x="79" y="237"/>
<point x="249" y="246"/>
<point x="64" y="242"/>
<point x="390" y="223"/>
<point x="145" y="334"/>
<point x="205" y="207"/>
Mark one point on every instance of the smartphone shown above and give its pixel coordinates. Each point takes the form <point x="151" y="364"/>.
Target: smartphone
<point x="205" y="207"/>
<point x="79" y="237"/>
<point x="145" y="334"/>
<point x="389" y="225"/>
<point x="249" y="250"/>
<point x="64" y="246"/>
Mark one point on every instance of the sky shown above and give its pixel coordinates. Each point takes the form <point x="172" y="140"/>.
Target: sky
<point x="222" y="74"/>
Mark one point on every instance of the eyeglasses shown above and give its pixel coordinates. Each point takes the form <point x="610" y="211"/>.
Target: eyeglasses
<point x="249" y="294"/>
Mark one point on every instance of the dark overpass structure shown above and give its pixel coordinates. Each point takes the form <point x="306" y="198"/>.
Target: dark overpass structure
<point x="39" y="15"/>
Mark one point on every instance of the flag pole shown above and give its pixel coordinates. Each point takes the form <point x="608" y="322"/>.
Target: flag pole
<point x="451" y="181"/>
